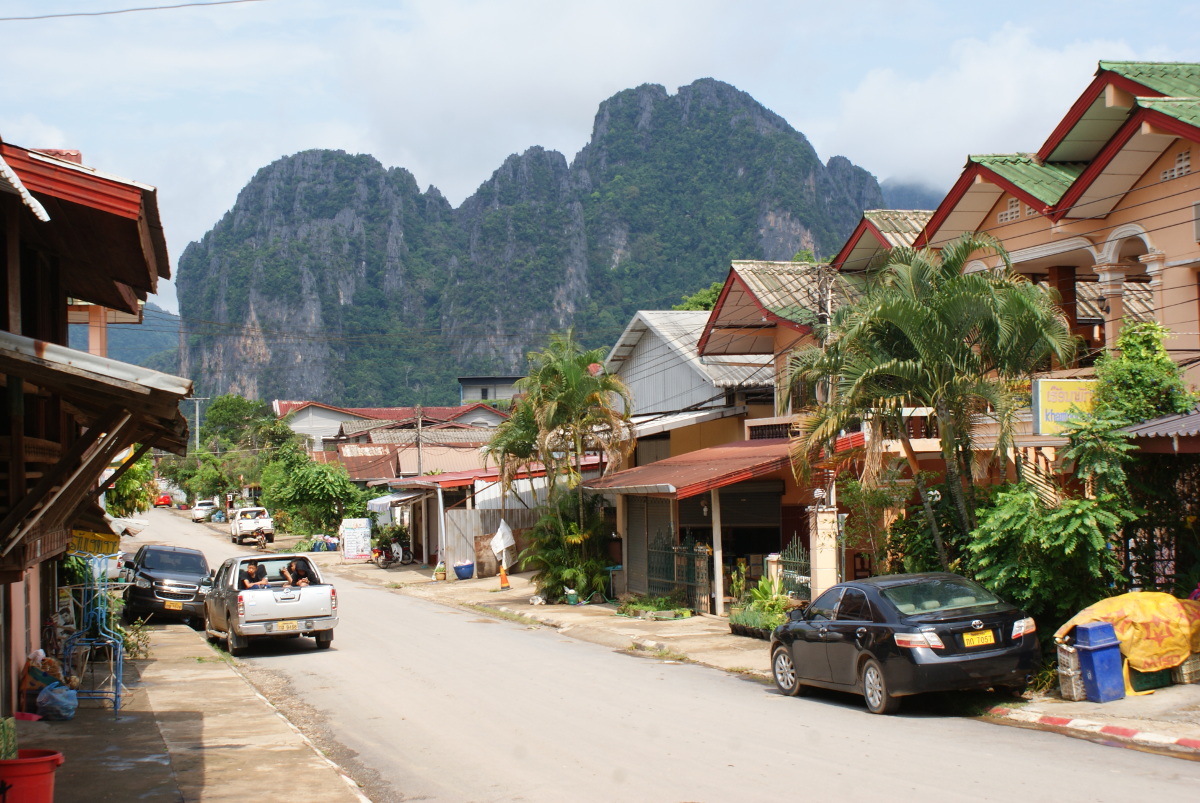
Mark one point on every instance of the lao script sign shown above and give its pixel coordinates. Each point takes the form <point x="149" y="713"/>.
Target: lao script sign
<point x="1053" y="400"/>
<point x="355" y="535"/>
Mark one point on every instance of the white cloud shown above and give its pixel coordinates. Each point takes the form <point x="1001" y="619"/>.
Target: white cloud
<point x="1001" y="94"/>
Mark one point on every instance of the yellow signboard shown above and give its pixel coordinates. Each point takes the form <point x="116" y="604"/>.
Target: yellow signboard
<point x="1053" y="400"/>
<point x="86" y="543"/>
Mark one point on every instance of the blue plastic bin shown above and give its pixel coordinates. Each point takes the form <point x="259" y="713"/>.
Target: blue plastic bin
<point x="1100" y="662"/>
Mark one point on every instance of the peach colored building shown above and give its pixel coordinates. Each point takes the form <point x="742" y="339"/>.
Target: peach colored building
<point x="1107" y="211"/>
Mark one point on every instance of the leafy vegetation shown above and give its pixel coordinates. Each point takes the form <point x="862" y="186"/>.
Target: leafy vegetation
<point x="245" y="446"/>
<point x="134" y="491"/>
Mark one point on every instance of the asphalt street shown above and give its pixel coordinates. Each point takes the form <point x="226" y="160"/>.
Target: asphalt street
<point x="421" y="701"/>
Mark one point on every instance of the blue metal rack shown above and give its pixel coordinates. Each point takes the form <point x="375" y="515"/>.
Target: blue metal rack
<point x="99" y="647"/>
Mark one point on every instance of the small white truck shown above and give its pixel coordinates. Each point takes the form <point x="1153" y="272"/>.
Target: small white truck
<point x="276" y="610"/>
<point x="246" y="521"/>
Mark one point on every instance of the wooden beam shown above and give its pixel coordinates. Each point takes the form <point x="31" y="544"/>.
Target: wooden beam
<point x="11" y="205"/>
<point x="75" y="489"/>
<point x="20" y="510"/>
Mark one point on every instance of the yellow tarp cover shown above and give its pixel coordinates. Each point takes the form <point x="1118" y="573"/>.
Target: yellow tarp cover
<point x="1156" y="630"/>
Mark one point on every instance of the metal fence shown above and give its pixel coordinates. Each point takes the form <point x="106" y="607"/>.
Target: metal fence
<point x="795" y="568"/>
<point x="674" y="568"/>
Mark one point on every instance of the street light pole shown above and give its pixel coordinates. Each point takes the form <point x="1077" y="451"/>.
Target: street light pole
<point x="197" y="400"/>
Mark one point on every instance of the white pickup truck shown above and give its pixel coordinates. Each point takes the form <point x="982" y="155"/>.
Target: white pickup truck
<point x="278" y="610"/>
<point x="245" y="521"/>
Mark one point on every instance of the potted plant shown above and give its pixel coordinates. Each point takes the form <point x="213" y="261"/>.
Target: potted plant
<point x="439" y="571"/>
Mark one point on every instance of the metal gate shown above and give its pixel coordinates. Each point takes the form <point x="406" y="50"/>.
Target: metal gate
<point x="796" y="568"/>
<point x="679" y="568"/>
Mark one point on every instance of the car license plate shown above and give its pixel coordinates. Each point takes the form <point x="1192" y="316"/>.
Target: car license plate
<point x="285" y="625"/>
<point x="173" y="605"/>
<point x="980" y="639"/>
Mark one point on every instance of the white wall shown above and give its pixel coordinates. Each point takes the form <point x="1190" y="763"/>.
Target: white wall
<point x="660" y="380"/>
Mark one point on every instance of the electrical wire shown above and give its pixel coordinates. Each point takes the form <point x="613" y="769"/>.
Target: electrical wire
<point x="68" y="14"/>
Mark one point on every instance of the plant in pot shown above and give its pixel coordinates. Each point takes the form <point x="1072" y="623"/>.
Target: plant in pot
<point x="766" y="610"/>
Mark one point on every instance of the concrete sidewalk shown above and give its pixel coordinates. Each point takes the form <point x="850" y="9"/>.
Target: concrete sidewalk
<point x="191" y="728"/>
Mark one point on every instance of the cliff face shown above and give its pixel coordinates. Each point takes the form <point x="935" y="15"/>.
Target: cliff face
<point x="333" y="278"/>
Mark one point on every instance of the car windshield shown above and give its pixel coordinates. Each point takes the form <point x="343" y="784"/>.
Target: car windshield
<point x="182" y="562"/>
<point x="940" y="594"/>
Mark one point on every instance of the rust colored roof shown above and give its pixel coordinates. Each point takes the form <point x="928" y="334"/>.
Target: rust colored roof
<point x="703" y="470"/>
<point x="388" y="414"/>
<point x="459" y="479"/>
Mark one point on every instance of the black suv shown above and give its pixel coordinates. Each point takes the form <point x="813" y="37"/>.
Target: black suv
<point x="165" y="581"/>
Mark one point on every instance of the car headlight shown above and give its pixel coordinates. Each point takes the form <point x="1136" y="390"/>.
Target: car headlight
<point x="141" y="582"/>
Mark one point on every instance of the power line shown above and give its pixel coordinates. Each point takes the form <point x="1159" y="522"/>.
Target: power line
<point x="125" y="10"/>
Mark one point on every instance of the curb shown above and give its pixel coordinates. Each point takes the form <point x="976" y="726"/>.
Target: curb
<point x="1088" y="727"/>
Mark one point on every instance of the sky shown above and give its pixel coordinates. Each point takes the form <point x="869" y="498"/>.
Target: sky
<point x="195" y="100"/>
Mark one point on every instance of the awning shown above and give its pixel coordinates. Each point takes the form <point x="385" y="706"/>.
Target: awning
<point x="694" y="473"/>
<point x="656" y="423"/>
<point x="1168" y="434"/>
<point x="382" y="503"/>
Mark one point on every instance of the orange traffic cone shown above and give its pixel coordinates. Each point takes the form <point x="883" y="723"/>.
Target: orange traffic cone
<point x="504" y="586"/>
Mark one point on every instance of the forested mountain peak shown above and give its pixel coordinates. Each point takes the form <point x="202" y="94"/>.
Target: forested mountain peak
<point x="337" y="279"/>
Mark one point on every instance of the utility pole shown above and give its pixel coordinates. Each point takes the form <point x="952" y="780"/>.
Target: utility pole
<point x="197" y="400"/>
<point x="420" y="415"/>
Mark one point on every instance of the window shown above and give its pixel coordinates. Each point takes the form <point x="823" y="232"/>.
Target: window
<point x="854" y="607"/>
<point x="822" y="609"/>
<point x="483" y="394"/>
<point x="1183" y="166"/>
<point x="1012" y="212"/>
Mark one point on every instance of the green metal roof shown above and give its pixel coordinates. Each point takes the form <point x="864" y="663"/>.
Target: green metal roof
<point x="1046" y="182"/>
<point x="1185" y="110"/>
<point x="1173" y="79"/>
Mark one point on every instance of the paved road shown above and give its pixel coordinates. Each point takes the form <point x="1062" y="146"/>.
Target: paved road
<point x="424" y="702"/>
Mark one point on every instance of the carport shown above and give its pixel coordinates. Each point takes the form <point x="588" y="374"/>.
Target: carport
<point x="743" y="479"/>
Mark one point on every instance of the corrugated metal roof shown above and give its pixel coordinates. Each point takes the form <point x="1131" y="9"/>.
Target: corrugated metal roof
<point x="691" y="474"/>
<point x="681" y="331"/>
<point x="475" y="436"/>
<point x="459" y="479"/>
<point x="790" y="290"/>
<point x="1046" y="182"/>
<point x="1181" y="425"/>
<point x="1174" y="79"/>
<point x="898" y="227"/>
<point x="449" y="459"/>
<point x="656" y="423"/>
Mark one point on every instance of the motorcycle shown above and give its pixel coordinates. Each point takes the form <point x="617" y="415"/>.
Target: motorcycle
<point x="381" y="556"/>
<point x="260" y="539"/>
<point x="384" y="556"/>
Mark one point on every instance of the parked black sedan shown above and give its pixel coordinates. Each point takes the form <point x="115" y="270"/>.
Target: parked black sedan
<point x="902" y="634"/>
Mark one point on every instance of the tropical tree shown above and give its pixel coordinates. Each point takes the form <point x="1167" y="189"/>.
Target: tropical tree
<point x="134" y="491"/>
<point x="570" y="405"/>
<point x="922" y="332"/>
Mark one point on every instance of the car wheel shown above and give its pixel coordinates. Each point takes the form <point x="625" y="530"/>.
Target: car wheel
<point x="209" y="633"/>
<point x="324" y="639"/>
<point x="127" y="616"/>
<point x="237" y="644"/>
<point x="875" y="690"/>
<point x="784" y="671"/>
<point x="270" y="539"/>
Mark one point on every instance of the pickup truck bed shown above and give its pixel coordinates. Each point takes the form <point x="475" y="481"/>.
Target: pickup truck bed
<point x="241" y="614"/>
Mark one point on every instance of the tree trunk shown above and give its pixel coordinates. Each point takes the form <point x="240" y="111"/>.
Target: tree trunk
<point x="948" y="433"/>
<point x="930" y="517"/>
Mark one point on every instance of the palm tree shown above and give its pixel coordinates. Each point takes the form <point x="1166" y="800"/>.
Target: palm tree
<point x="924" y="333"/>
<point x="570" y="405"/>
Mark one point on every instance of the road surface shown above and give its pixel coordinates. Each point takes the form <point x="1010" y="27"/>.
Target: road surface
<point x="423" y="702"/>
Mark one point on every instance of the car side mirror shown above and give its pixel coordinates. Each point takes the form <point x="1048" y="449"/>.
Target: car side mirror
<point x="127" y="564"/>
<point x="795" y="614"/>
